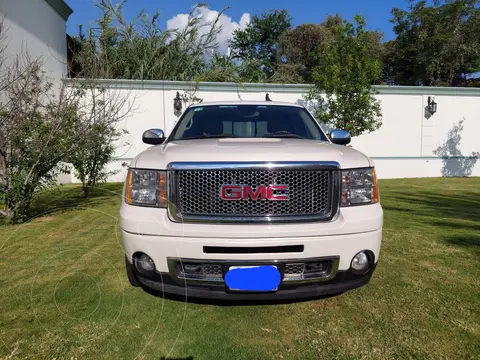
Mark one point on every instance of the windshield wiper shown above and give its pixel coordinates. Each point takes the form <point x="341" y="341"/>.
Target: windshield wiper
<point x="289" y="135"/>
<point x="206" y="137"/>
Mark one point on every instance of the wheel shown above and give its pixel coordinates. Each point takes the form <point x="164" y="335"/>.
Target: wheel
<point x="132" y="278"/>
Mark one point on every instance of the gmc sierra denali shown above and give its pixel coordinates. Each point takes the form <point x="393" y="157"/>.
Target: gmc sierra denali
<point x="250" y="200"/>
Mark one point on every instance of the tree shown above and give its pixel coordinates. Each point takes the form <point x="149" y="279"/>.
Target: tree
<point x="221" y="68"/>
<point x="139" y="49"/>
<point x="257" y="44"/>
<point x="436" y="45"/>
<point x="37" y="122"/>
<point x="298" y="48"/>
<point x="45" y="123"/>
<point x="101" y="125"/>
<point x="348" y="64"/>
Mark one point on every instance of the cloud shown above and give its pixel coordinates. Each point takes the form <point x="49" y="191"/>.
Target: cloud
<point x="206" y="15"/>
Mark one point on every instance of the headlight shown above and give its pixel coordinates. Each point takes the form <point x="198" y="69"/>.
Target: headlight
<point x="146" y="187"/>
<point x="359" y="187"/>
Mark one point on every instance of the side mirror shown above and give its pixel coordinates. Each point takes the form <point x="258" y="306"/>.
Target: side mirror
<point x="153" y="137"/>
<point x="340" y="137"/>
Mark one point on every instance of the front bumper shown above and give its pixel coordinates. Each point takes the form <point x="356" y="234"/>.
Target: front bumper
<point x="340" y="247"/>
<point x="166" y="283"/>
<point x="161" y="248"/>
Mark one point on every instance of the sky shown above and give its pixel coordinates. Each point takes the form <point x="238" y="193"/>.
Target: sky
<point x="173" y="13"/>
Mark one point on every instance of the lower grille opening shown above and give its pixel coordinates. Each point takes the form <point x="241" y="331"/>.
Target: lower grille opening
<point x="195" y="271"/>
<point x="308" y="270"/>
<point x="253" y="250"/>
<point x="299" y="270"/>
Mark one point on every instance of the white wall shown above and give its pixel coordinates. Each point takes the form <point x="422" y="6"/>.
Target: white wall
<point x="412" y="144"/>
<point x="409" y="143"/>
<point x="36" y="28"/>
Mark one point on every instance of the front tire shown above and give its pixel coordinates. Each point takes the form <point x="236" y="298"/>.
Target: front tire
<point x="132" y="278"/>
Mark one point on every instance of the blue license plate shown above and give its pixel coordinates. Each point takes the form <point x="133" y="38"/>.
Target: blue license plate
<point x="253" y="278"/>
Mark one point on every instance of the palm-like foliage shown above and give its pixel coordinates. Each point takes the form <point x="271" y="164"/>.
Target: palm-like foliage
<point x="140" y="49"/>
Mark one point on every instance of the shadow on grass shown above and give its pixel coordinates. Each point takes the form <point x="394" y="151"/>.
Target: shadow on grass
<point x="169" y="358"/>
<point x="457" y="225"/>
<point x="464" y="240"/>
<point x="455" y="213"/>
<point x="68" y="197"/>
<point x="387" y="207"/>
<point x="464" y="207"/>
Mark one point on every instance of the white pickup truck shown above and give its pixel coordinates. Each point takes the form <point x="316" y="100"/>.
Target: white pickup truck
<point x="247" y="201"/>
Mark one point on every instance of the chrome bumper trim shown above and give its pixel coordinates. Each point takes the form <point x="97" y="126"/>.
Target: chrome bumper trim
<point x="335" y="260"/>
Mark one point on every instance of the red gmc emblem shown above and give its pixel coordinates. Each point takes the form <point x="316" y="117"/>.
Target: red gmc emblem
<point x="245" y="192"/>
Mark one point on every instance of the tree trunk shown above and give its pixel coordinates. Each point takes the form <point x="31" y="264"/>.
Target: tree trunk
<point x="20" y="210"/>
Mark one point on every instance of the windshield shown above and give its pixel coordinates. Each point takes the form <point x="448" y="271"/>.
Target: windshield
<point x="247" y="121"/>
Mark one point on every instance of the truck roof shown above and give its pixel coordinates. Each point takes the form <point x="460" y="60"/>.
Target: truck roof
<point x="246" y="102"/>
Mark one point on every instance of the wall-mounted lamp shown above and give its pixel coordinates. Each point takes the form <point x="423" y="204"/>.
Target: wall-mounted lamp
<point x="432" y="105"/>
<point x="177" y="103"/>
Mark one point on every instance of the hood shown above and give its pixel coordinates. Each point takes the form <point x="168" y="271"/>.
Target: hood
<point x="249" y="150"/>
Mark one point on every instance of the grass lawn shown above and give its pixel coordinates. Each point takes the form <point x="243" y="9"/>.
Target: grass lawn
<point x="64" y="292"/>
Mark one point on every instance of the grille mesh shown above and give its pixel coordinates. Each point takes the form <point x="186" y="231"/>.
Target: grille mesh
<point x="199" y="192"/>
<point x="294" y="269"/>
<point x="212" y="269"/>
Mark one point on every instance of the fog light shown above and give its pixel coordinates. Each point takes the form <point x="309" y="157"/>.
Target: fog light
<point x="361" y="262"/>
<point x="144" y="263"/>
<point x="191" y="268"/>
<point x="317" y="267"/>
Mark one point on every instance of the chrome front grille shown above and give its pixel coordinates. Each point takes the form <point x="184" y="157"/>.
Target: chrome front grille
<point x="195" y="193"/>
